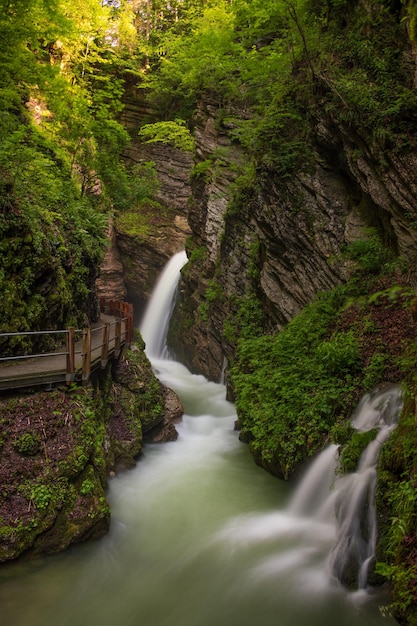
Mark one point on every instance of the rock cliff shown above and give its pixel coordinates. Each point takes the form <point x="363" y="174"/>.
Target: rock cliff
<point x="172" y="165"/>
<point x="145" y="237"/>
<point x="285" y="241"/>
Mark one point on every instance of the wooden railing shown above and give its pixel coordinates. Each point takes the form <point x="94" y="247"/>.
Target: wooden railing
<point x="85" y="350"/>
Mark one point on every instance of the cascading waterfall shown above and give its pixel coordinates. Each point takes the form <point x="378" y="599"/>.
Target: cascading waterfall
<point x="355" y="494"/>
<point x="201" y="536"/>
<point x="154" y="326"/>
<point x="342" y="507"/>
<point x="329" y="525"/>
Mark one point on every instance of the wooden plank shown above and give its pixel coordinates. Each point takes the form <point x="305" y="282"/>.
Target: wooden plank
<point x="105" y="345"/>
<point x="70" y="375"/>
<point x="86" y="355"/>
<point x="79" y="359"/>
<point x="117" y="338"/>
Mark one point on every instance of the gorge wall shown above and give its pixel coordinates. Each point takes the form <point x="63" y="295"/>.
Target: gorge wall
<point x="285" y="242"/>
<point x="146" y="237"/>
<point x="282" y="244"/>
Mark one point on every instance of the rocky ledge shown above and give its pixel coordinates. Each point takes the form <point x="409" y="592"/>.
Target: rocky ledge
<point x="59" y="447"/>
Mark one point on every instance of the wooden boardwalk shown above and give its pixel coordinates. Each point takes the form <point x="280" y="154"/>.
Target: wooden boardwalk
<point x="83" y="352"/>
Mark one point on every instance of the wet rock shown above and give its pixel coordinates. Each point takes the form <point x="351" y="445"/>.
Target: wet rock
<point x="110" y="283"/>
<point x="174" y="409"/>
<point x="58" y="447"/>
<point x="144" y="256"/>
<point x="165" y="430"/>
<point x="162" y="433"/>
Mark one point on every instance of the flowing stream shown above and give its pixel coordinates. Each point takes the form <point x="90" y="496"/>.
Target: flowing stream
<point x="200" y="536"/>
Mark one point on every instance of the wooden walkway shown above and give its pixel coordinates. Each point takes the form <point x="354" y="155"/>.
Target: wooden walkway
<point x="83" y="352"/>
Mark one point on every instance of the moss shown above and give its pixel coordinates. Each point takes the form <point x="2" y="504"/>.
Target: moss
<point x="140" y="221"/>
<point x="352" y="451"/>
<point x="55" y="475"/>
<point x="296" y="389"/>
<point x="28" y="444"/>
<point x="397" y="501"/>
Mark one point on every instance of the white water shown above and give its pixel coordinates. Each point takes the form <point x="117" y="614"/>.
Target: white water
<point x="355" y="494"/>
<point x="154" y="325"/>
<point x="200" y="536"/>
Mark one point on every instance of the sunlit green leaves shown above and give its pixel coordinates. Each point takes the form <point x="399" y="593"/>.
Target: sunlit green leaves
<point x="174" y="132"/>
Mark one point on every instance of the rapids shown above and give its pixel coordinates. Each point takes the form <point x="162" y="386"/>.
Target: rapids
<point x="201" y="536"/>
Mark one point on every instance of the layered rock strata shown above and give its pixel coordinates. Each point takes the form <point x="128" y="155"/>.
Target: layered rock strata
<point x="286" y="241"/>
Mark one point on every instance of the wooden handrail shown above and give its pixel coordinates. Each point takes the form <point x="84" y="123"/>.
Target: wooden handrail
<point x="92" y="352"/>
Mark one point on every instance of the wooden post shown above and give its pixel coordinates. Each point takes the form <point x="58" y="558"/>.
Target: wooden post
<point x="105" y="345"/>
<point x="130" y="314"/>
<point x="123" y="314"/>
<point x="70" y="374"/>
<point x="117" y="337"/>
<point x="86" y="354"/>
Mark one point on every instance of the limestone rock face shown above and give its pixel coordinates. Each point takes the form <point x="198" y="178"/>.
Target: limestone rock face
<point x="285" y="242"/>
<point x="173" y="169"/>
<point x="138" y="253"/>
<point x="165" y="430"/>
<point x="111" y="283"/>
<point x="143" y="258"/>
<point x="172" y="165"/>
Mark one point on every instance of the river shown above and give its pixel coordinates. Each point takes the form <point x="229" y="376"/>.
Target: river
<point x="200" y="536"/>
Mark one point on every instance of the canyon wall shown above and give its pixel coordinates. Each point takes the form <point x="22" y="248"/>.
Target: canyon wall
<point x="145" y="237"/>
<point x="285" y="241"/>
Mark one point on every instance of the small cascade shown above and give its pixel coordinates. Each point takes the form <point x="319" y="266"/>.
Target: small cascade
<point x="354" y="551"/>
<point x="317" y="483"/>
<point x="329" y="524"/>
<point x="154" y="326"/>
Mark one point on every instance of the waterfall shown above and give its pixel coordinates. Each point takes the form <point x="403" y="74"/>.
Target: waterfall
<point x="201" y="535"/>
<point x="329" y="528"/>
<point x="355" y="494"/>
<point x="154" y="326"/>
<point x="335" y="514"/>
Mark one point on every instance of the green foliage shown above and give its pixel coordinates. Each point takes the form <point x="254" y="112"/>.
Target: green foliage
<point x="397" y="495"/>
<point x="140" y="220"/>
<point x="60" y="97"/>
<point x="397" y="568"/>
<point x="340" y="352"/>
<point x="215" y="165"/>
<point x="296" y="389"/>
<point x="87" y="487"/>
<point x="369" y="254"/>
<point x="351" y="452"/>
<point x="247" y="320"/>
<point x="367" y="68"/>
<point x="28" y="444"/>
<point x="173" y="132"/>
<point x="376" y="368"/>
<point x="213" y="291"/>
<point x="197" y="255"/>
<point x="41" y="496"/>
<point x="291" y="387"/>
<point x="199" y="60"/>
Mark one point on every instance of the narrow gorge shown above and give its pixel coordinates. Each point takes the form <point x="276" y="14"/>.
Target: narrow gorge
<point x="272" y="145"/>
